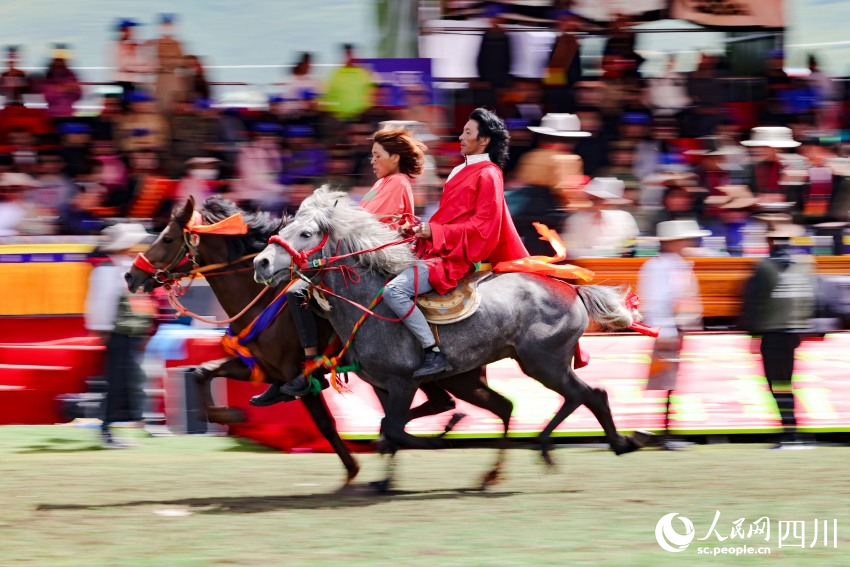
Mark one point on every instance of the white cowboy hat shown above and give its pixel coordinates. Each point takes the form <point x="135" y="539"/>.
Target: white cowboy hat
<point x="202" y="161"/>
<point x="561" y="125"/>
<point x="9" y="179"/>
<point x="679" y="230"/>
<point x="608" y="189"/>
<point x="418" y="130"/>
<point x="772" y="137"/>
<point x="124" y="236"/>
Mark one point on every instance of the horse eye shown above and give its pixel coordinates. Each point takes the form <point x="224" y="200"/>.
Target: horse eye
<point x="306" y="234"/>
<point x="167" y="240"/>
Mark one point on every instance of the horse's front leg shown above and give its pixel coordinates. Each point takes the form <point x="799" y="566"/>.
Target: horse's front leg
<point x="226" y="368"/>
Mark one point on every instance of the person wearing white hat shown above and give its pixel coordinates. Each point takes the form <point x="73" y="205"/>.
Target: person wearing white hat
<point x="551" y="169"/>
<point x="778" y="306"/>
<point x="13" y="203"/>
<point x="122" y="321"/>
<point x="670" y="299"/>
<point x="766" y="173"/>
<point x="604" y="229"/>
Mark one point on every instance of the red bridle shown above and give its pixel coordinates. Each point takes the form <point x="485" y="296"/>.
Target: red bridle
<point x="300" y="258"/>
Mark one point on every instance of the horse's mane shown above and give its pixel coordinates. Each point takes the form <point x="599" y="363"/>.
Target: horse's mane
<point x="261" y="226"/>
<point x="357" y="229"/>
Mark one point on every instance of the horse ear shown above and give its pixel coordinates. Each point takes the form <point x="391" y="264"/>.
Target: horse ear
<point x="185" y="214"/>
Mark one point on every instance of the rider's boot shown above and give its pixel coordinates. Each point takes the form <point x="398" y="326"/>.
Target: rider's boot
<point x="271" y="396"/>
<point x="301" y="385"/>
<point x="434" y="362"/>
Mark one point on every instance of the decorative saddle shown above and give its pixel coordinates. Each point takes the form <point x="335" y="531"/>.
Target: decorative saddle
<point x="457" y="304"/>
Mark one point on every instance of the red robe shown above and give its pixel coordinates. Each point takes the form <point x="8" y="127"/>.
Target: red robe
<point x="471" y="225"/>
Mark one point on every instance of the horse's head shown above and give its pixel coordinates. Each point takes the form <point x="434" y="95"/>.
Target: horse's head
<point x="167" y="257"/>
<point x="301" y="239"/>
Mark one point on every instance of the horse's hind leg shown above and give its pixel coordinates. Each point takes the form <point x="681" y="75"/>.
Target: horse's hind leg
<point x="324" y="421"/>
<point x="597" y="403"/>
<point x="576" y="393"/>
<point x="472" y="387"/>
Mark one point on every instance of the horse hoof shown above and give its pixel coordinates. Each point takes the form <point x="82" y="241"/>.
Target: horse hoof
<point x="492" y="478"/>
<point x="641" y="438"/>
<point x="633" y="442"/>
<point x="456" y="417"/>
<point x="352" y="473"/>
<point x="551" y="466"/>
<point x="226" y="416"/>
<point x="381" y="486"/>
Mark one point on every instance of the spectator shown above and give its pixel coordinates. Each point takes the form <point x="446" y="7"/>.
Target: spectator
<point x="677" y="201"/>
<point x="13" y="204"/>
<point x="197" y="85"/>
<point x="302" y="91"/>
<point x="349" y="90"/>
<point x="54" y="190"/>
<point x="170" y="78"/>
<point x="77" y="216"/>
<point x="778" y="306"/>
<point x="494" y="59"/>
<point x="668" y="93"/>
<point x="670" y="299"/>
<point x="14" y="83"/>
<point x="105" y="125"/>
<point x="61" y="88"/>
<point x="305" y="159"/>
<point x="143" y="126"/>
<point x="201" y="180"/>
<point x="554" y="164"/>
<point x="384" y="107"/>
<point x="193" y="133"/>
<point x="766" y="171"/>
<point x="114" y="169"/>
<point x="123" y="322"/>
<point x="259" y="166"/>
<point x="603" y="230"/>
<point x="128" y="59"/>
<point x="75" y="139"/>
<point x="778" y="82"/>
<point x="733" y="219"/>
<point x="563" y="70"/>
<point x="419" y="106"/>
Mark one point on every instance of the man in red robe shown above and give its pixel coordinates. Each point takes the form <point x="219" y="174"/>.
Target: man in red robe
<point x="471" y="225"/>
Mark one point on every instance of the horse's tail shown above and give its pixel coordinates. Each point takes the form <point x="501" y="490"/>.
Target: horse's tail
<point x="608" y="306"/>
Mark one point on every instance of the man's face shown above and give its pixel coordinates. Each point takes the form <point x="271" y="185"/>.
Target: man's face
<point x="470" y="143"/>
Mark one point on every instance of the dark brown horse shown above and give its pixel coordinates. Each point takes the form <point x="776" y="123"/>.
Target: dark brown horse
<point x="277" y="350"/>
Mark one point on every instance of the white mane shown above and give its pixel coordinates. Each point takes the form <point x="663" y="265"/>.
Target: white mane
<point x="343" y="220"/>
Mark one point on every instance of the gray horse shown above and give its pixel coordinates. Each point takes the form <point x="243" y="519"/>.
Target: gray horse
<point x="535" y="320"/>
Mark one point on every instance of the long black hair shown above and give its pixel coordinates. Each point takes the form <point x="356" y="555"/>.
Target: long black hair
<point x="491" y="126"/>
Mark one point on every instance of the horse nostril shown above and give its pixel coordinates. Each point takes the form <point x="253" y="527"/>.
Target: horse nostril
<point x="264" y="263"/>
<point x="128" y="278"/>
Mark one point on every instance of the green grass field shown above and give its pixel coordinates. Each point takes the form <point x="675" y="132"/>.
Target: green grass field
<point x="217" y="501"/>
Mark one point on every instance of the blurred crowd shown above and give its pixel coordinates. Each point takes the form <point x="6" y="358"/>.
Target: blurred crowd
<point x="603" y="154"/>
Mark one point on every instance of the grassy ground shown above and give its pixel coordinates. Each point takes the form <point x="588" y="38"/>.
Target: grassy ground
<point x="215" y="501"/>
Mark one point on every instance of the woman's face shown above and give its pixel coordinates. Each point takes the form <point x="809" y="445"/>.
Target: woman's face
<point x="383" y="162"/>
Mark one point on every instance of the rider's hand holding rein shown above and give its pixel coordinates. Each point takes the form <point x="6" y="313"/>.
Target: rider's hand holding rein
<point x="422" y="231"/>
